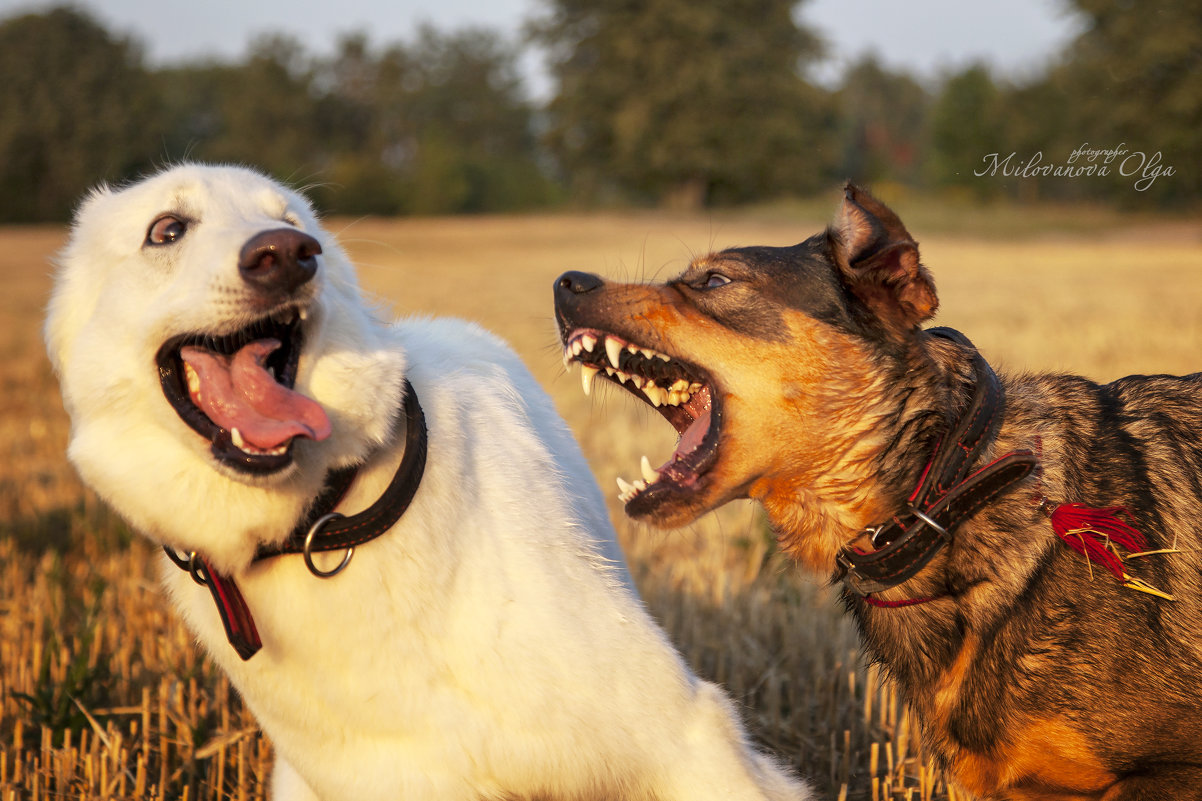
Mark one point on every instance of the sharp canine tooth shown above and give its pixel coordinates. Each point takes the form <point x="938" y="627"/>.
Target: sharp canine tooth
<point x="613" y="349"/>
<point x="193" y="379"/>
<point x="589" y="342"/>
<point x="648" y="472"/>
<point x="587" y="374"/>
<point x="624" y="486"/>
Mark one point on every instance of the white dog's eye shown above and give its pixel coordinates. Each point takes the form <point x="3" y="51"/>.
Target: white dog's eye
<point x="166" y="230"/>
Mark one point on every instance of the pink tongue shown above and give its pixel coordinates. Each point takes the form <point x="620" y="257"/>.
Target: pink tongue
<point x="694" y="434"/>
<point x="238" y="392"/>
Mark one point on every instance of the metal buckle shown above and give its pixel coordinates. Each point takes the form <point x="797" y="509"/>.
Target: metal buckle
<point x="346" y="560"/>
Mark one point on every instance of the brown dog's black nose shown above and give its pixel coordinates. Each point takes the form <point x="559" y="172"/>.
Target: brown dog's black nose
<point x="279" y="261"/>
<point x="575" y="282"/>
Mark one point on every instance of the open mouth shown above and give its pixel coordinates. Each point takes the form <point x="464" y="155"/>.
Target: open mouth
<point x="236" y="391"/>
<point x="683" y="394"/>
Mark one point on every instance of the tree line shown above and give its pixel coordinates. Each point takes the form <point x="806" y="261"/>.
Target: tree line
<point x="671" y="102"/>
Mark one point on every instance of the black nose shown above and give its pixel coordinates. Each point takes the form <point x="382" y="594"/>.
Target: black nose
<point x="280" y="261"/>
<point x="575" y="282"/>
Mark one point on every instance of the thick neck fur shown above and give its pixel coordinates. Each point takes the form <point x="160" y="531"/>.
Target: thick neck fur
<point x="921" y="391"/>
<point x="879" y="440"/>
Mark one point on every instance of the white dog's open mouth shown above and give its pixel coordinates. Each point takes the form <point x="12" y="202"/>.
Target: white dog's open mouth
<point x="237" y="392"/>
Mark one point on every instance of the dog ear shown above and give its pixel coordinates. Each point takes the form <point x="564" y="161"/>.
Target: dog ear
<point x="879" y="262"/>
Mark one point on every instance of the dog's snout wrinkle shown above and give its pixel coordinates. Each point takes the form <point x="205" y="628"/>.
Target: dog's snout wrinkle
<point x="280" y="260"/>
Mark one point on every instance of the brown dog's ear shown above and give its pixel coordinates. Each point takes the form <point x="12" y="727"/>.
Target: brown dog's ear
<point x="879" y="262"/>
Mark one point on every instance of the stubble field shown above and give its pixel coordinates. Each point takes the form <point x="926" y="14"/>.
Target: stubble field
<point x="103" y="694"/>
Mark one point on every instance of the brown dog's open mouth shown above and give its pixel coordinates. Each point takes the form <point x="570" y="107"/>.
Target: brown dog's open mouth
<point x="236" y="391"/>
<point x="682" y="393"/>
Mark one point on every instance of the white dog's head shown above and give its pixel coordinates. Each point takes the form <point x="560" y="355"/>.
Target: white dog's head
<point x="215" y="356"/>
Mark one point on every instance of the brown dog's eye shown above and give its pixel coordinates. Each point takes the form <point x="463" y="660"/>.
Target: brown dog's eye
<point x="715" y="280"/>
<point x="166" y="230"/>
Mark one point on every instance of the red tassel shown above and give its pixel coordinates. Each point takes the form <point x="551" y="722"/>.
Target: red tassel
<point x="1098" y="534"/>
<point x="1095" y="532"/>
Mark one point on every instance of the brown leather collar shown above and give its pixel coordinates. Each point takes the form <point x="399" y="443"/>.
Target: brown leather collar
<point x="321" y="529"/>
<point x="946" y="494"/>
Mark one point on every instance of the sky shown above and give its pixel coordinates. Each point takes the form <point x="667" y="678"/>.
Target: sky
<point x="925" y="37"/>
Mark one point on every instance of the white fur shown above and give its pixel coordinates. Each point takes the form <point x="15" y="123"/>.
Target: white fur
<point x="490" y="645"/>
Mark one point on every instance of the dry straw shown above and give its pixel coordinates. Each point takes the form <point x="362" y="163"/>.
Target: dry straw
<point x="103" y="694"/>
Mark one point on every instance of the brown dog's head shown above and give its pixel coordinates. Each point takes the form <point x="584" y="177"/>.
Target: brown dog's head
<point x="771" y="363"/>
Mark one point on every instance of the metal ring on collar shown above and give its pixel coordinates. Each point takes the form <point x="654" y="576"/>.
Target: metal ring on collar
<point x="924" y="517"/>
<point x="346" y="560"/>
<point x="190" y="563"/>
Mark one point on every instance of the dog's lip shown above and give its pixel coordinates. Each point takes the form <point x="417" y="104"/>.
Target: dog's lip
<point x="285" y="324"/>
<point x="681" y="392"/>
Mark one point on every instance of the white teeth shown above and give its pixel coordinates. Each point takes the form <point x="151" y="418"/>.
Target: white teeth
<point x="587" y="374"/>
<point x="665" y="358"/>
<point x="649" y="472"/>
<point x="624" y="486"/>
<point x="679" y="385"/>
<point x="192" y="378"/>
<point x="637" y="380"/>
<point x="236" y="438"/>
<point x="303" y="314"/>
<point x="675" y="398"/>
<point x="613" y="349"/>
<point x="589" y="342"/>
<point x="577" y="346"/>
<point x="618" y="374"/>
<point x="567" y="359"/>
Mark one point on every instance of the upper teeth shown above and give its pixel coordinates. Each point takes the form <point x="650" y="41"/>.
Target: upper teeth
<point x="676" y="394"/>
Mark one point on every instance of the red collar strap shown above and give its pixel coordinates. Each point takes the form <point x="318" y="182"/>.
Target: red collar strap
<point x="321" y="529"/>
<point x="946" y="495"/>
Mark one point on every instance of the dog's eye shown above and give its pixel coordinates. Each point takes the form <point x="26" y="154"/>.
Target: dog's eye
<point x="714" y="280"/>
<point x="166" y="230"/>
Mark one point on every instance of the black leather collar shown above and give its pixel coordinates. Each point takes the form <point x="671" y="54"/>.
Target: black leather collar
<point x="946" y="494"/>
<point x="322" y="529"/>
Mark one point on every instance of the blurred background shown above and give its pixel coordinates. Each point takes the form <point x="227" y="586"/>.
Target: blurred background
<point x="464" y="106"/>
<point x="1045" y="153"/>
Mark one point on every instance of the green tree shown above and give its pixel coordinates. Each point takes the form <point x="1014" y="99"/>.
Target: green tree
<point x="882" y="123"/>
<point x="966" y="127"/>
<point x="1133" y="77"/>
<point x="684" y="101"/>
<point x="261" y="112"/>
<point x="75" y="109"/>
<point x="438" y="126"/>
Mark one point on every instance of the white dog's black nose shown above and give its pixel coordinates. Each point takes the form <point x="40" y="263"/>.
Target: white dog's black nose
<point x="279" y="261"/>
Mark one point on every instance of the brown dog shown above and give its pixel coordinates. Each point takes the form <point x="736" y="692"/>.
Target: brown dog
<point x="955" y="507"/>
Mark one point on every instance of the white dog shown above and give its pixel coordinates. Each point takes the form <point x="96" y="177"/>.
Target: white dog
<point x="220" y="369"/>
